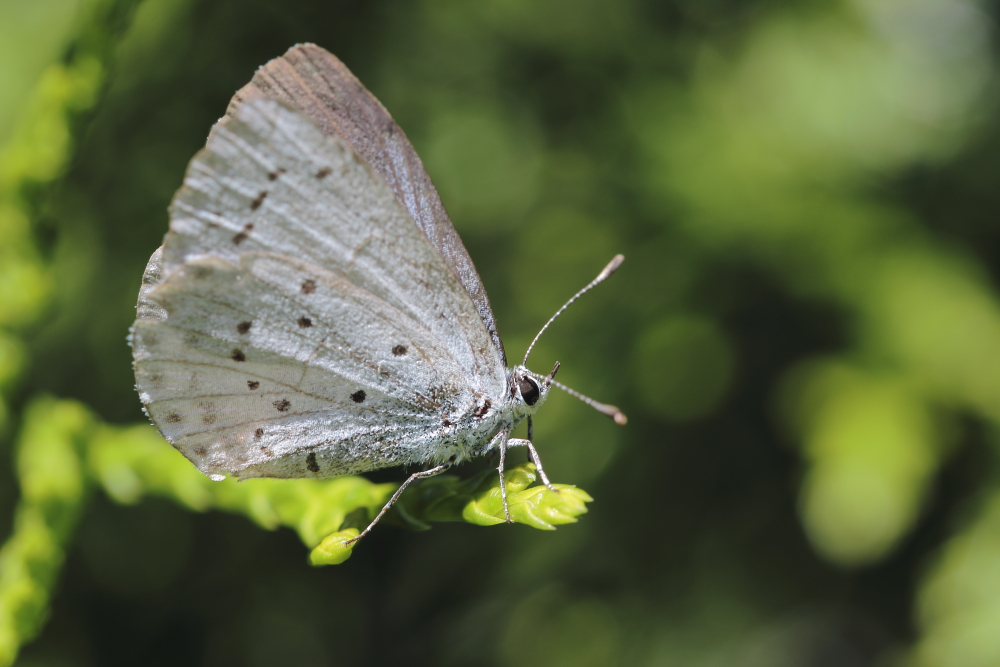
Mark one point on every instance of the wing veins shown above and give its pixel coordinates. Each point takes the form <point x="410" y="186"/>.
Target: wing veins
<point x="347" y="349"/>
<point x="359" y="408"/>
<point x="373" y="429"/>
<point x="228" y="368"/>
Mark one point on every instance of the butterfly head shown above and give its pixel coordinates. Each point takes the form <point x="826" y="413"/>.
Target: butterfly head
<point x="532" y="389"/>
<point x="529" y="390"/>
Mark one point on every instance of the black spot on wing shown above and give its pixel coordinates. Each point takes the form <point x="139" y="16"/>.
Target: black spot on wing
<point x="200" y="450"/>
<point x="274" y="174"/>
<point x="242" y="236"/>
<point x="243" y="327"/>
<point x="358" y="396"/>
<point x="252" y="384"/>
<point x="323" y="173"/>
<point x="261" y="196"/>
<point x="305" y="322"/>
<point x="209" y="415"/>
<point x="481" y="411"/>
<point x="199" y="272"/>
<point x="238" y="355"/>
<point x="399" y="350"/>
<point x="282" y="405"/>
<point x="308" y="286"/>
<point x="172" y="418"/>
<point x="258" y="433"/>
<point x="311" y="462"/>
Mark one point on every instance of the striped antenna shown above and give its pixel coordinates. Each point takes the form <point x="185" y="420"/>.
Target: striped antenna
<point x="608" y="270"/>
<point x="603" y="408"/>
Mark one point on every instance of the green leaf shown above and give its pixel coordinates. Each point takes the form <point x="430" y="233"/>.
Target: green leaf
<point x="130" y="463"/>
<point x="334" y="550"/>
<point x="478" y="500"/>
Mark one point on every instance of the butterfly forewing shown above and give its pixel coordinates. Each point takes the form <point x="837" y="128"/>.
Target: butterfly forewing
<point x="269" y="180"/>
<point x="316" y="83"/>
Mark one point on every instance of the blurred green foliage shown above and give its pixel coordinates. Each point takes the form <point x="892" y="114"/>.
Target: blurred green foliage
<point x="805" y="336"/>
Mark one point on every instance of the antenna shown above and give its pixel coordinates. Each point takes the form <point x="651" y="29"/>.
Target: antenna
<point x="603" y="408"/>
<point x="608" y="270"/>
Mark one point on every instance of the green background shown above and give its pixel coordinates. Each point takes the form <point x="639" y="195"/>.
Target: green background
<point x="805" y="334"/>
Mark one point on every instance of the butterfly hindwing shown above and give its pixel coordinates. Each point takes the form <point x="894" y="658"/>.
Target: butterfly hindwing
<point x="244" y="368"/>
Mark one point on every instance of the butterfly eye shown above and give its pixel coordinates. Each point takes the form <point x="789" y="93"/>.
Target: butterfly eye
<point x="529" y="390"/>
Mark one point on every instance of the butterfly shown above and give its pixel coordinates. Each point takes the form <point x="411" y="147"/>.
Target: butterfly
<point x="312" y="311"/>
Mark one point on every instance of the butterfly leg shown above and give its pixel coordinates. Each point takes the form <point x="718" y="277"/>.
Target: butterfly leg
<point x="436" y="470"/>
<point x="518" y="442"/>
<point x="534" y="453"/>
<point x="503" y="484"/>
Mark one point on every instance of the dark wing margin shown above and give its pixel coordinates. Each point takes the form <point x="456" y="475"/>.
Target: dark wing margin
<point x="316" y="83"/>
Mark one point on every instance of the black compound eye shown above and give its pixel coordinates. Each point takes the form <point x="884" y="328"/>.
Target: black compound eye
<point x="529" y="390"/>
